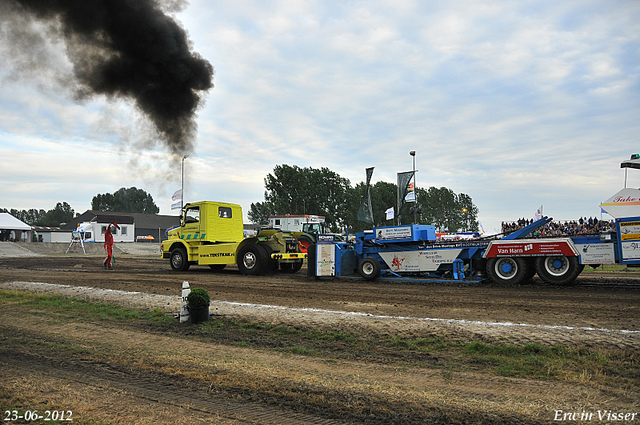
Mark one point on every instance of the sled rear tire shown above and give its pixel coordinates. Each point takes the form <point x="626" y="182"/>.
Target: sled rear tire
<point x="369" y="268"/>
<point x="511" y="270"/>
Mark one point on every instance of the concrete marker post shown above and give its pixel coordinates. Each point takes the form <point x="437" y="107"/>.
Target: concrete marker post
<point x="184" y="309"/>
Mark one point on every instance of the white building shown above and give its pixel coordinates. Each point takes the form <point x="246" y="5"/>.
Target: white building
<point x="94" y="230"/>
<point x="12" y="229"/>
<point x="51" y="234"/>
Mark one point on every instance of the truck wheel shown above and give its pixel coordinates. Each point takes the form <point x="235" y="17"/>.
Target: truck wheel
<point x="369" y="268"/>
<point x="558" y="269"/>
<point x="179" y="260"/>
<point x="251" y="259"/>
<point x="217" y="267"/>
<point x="303" y="242"/>
<point x="508" y="270"/>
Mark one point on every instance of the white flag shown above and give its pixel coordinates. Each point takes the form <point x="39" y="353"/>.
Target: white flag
<point x="538" y="215"/>
<point x="389" y="213"/>
<point x="177" y="195"/>
<point x="411" y="197"/>
<point x="176" y="206"/>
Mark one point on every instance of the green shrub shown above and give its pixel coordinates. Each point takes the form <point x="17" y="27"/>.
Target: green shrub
<point x="198" y="298"/>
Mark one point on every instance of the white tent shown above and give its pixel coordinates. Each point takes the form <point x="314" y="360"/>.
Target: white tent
<point x="625" y="203"/>
<point x="9" y="224"/>
<point x="634" y="162"/>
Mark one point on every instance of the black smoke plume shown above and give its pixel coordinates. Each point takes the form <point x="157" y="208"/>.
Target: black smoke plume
<point x="129" y="49"/>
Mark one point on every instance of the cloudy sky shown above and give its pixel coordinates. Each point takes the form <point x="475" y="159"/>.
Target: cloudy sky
<point x="518" y="104"/>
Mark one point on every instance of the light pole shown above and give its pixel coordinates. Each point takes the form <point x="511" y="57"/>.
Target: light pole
<point x="415" y="189"/>
<point x="465" y="219"/>
<point x="182" y="186"/>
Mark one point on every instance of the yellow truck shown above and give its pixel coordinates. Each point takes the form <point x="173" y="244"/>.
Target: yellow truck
<point x="211" y="233"/>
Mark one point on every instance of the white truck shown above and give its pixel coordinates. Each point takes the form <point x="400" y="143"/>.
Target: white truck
<point x="93" y="231"/>
<point x="305" y="227"/>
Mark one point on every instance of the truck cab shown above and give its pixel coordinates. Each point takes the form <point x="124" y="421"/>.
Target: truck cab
<point x="211" y="223"/>
<point x="211" y="233"/>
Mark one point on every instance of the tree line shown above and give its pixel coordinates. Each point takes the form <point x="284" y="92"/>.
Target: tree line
<point x="131" y="200"/>
<point x="294" y="190"/>
<point x="124" y="200"/>
<point x="62" y="213"/>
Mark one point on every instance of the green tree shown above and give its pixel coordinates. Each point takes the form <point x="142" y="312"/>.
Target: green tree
<point x="383" y="197"/>
<point x="295" y="190"/>
<point x="131" y="200"/>
<point x="469" y="213"/>
<point x="62" y="213"/>
<point x="352" y="203"/>
<point x="103" y="202"/>
<point x="440" y="207"/>
<point x="447" y="210"/>
<point x="259" y="212"/>
<point x="31" y="216"/>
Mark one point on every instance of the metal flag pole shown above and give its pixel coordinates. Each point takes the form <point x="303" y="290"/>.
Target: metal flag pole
<point x="182" y="186"/>
<point x="415" y="189"/>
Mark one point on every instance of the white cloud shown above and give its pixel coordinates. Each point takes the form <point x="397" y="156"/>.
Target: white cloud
<point x="517" y="104"/>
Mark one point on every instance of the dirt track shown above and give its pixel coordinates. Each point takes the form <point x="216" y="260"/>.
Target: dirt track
<point x="597" y="310"/>
<point x="597" y="301"/>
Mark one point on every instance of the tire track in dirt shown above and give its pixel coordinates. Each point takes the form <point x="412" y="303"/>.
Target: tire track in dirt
<point x="168" y="390"/>
<point x="611" y="304"/>
<point x="516" y="333"/>
<point x="155" y="387"/>
<point x="464" y="391"/>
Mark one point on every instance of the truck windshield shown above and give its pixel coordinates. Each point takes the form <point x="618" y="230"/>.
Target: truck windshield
<point x="312" y="228"/>
<point x="192" y="215"/>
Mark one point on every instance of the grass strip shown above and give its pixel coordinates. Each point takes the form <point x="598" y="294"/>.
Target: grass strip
<point x="611" y="268"/>
<point x="593" y="366"/>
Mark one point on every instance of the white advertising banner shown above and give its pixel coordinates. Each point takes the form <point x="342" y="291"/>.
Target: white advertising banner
<point x="631" y="250"/>
<point x="325" y="259"/>
<point x="393" y="233"/>
<point x="419" y="261"/>
<point x="599" y="253"/>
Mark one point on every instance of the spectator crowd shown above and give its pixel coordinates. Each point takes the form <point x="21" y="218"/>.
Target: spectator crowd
<point x="583" y="226"/>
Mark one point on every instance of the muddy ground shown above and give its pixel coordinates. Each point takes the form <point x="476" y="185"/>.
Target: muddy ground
<point x="599" y="310"/>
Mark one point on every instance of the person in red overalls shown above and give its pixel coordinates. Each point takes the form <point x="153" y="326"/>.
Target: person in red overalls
<point x="108" y="245"/>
